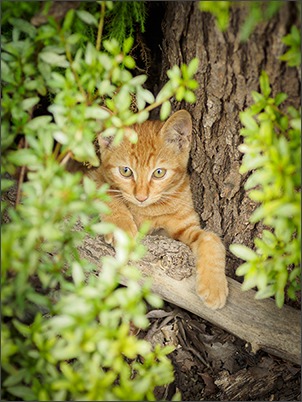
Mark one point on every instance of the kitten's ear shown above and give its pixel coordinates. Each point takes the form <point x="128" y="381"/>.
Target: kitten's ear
<point x="104" y="142"/>
<point x="177" y="130"/>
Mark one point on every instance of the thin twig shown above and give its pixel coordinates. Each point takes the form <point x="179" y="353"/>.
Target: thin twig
<point x="101" y="26"/>
<point x="56" y="150"/>
<point x="75" y="74"/>
<point x="21" y="178"/>
<point x="66" y="158"/>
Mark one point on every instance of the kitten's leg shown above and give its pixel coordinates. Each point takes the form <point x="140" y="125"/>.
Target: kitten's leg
<point x="209" y="252"/>
<point x="121" y="217"/>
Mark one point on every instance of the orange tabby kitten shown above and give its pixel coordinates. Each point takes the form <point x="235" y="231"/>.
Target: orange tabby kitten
<point x="149" y="181"/>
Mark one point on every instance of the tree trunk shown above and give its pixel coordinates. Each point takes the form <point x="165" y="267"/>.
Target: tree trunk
<point x="229" y="70"/>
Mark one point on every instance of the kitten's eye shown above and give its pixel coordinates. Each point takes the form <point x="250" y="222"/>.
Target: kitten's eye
<point x="125" y="171"/>
<point x="159" y="173"/>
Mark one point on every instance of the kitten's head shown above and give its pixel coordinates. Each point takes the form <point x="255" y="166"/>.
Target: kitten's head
<point x="154" y="167"/>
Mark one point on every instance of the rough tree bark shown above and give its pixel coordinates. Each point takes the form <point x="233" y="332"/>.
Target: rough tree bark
<point x="228" y="72"/>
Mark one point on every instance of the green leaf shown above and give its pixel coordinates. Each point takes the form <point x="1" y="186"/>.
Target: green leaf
<point x="103" y="228"/>
<point x="250" y="281"/>
<point x="68" y="20"/>
<point x="38" y="123"/>
<point x="148" y="96"/>
<point x="165" y="93"/>
<point x="138" y="80"/>
<point x="29" y="103"/>
<point x="281" y="97"/>
<point x="193" y="67"/>
<point x="289" y="210"/>
<point x="96" y="112"/>
<point x="154" y="300"/>
<point x="264" y="84"/>
<point x="15" y="378"/>
<point x="190" y="97"/>
<point x="243" y="252"/>
<point x="258" y="214"/>
<point x="296" y="124"/>
<point x="38" y="299"/>
<point x="60" y="137"/>
<point x="54" y="59"/>
<point x="22" y="328"/>
<point x="77" y="273"/>
<point x="265" y="293"/>
<point x="22" y="157"/>
<point x="165" y="110"/>
<point x="23" y="26"/>
<point x="90" y="54"/>
<point x="86" y="17"/>
<point x="74" y="38"/>
<point x="142" y="116"/>
<point x="6" y="74"/>
<point x="247" y="119"/>
<point x="127" y="45"/>
<point x="22" y="392"/>
<point x="129" y="62"/>
<point x="6" y="184"/>
<point x="279" y="297"/>
<point x="243" y="269"/>
<point x="257" y="97"/>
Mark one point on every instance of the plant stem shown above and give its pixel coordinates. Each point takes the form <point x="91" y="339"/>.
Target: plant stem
<point x="66" y="158"/>
<point x="56" y="150"/>
<point x="101" y="26"/>
<point x="75" y="74"/>
<point x="21" y="176"/>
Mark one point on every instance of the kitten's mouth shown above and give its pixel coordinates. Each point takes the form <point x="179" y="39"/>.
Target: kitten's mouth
<point x="140" y="204"/>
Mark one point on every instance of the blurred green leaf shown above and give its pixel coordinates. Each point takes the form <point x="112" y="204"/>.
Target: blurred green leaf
<point x="243" y="252"/>
<point x="264" y="84"/>
<point x="165" y="110"/>
<point x="54" y="59"/>
<point x="23" y="26"/>
<point x="87" y="17"/>
<point x="22" y="392"/>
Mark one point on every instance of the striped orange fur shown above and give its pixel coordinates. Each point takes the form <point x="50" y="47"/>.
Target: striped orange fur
<point x="149" y="181"/>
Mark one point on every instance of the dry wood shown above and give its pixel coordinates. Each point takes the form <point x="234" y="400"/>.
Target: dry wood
<point x="247" y="384"/>
<point x="170" y="264"/>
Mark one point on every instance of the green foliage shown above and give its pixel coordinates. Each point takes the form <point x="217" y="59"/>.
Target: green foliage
<point x="65" y="330"/>
<point x="220" y="10"/>
<point x="24" y="10"/>
<point x="257" y="12"/>
<point x="293" y="40"/>
<point x="272" y="142"/>
<point x="124" y="17"/>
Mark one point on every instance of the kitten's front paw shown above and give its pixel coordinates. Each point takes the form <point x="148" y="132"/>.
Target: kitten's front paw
<point x="129" y="228"/>
<point x="213" y="290"/>
<point x="109" y="239"/>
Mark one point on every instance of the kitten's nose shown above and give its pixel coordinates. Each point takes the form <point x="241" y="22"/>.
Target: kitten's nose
<point x="141" y="197"/>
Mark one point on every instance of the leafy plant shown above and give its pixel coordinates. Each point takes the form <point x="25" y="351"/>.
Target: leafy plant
<point x="258" y="11"/>
<point x="293" y="55"/>
<point x="123" y="18"/>
<point x="220" y="10"/>
<point x="65" y="330"/>
<point x="272" y="143"/>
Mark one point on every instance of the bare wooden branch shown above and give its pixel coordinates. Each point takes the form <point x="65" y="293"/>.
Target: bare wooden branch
<point x="170" y="264"/>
